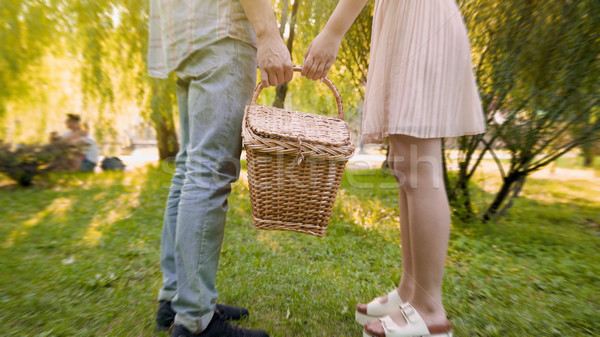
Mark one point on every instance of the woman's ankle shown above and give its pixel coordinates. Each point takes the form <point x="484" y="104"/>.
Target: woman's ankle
<point x="433" y="312"/>
<point x="405" y="291"/>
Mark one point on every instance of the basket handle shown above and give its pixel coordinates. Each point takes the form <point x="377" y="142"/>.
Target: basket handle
<point x="327" y="81"/>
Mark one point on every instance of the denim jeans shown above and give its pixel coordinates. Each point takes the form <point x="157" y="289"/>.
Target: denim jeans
<point x="87" y="165"/>
<point x="214" y="85"/>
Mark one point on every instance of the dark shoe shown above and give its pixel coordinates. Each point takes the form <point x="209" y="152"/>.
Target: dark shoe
<point x="166" y="315"/>
<point x="218" y="327"/>
<point x="229" y="312"/>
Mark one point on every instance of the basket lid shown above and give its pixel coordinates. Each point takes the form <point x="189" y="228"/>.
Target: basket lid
<point x="292" y="125"/>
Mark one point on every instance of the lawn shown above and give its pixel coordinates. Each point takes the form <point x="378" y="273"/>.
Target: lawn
<point x="80" y="257"/>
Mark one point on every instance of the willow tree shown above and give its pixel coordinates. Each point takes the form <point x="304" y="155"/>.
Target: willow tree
<point x="105" y="45"/>
<point x="537" y="66"/>
<point x="156" y="97"/>
<point x="26" y="30"/>
<point x="93" y="25"/>
<point x="128" y="43"/>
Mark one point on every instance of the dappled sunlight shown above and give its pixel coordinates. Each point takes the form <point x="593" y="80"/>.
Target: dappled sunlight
<point x="266" y="238"/>
<point x="93" y="234"/>
<point x="369" y="214"/>
<point x="565" y="192"/>
<point x="549" y="185"/>
<point x="56" y="209"/>
<point x="113" y="211"/>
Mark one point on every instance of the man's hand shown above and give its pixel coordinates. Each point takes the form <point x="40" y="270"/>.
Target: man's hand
<point x="320" y="55"/>
<point x="273" y="57"/>
<point x="274" y="61"/>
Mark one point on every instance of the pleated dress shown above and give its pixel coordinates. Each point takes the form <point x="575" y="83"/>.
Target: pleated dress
<point x="420" y="81"/>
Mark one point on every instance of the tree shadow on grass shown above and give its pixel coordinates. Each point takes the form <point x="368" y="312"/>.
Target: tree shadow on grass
<point x="128" y="258"/>
<point x="54" y="257"/>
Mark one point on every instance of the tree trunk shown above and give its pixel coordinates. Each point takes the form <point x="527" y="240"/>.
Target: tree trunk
<point x="162" y="105"/>
<point x="515" y="191"/>
<point x="587" y="151"/>
<point x="280" y="93"/>
<point x="502" y="195"/>
<point x="281" y="90"/>
<point x="166" y="138"/>
<point x="464" y="199"/>
<point x="385" y="166"/>
<point x="458" y="194"/>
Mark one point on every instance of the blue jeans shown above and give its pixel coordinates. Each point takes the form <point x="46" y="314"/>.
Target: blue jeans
<point x="214" y="86"/>
<point x="87" y="165"/>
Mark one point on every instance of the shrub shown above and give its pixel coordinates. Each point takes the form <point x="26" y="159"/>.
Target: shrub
<point x="23" y="163"/>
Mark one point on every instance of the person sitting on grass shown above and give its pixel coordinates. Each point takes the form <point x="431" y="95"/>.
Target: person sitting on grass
<point x="78" y="135"/>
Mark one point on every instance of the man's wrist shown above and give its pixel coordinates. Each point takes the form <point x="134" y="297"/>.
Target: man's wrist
<point x="267" y="34"/>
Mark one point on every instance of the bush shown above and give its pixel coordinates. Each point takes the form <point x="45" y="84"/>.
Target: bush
<point x="25" y="162"/>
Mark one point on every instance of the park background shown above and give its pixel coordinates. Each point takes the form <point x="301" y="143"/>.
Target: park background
<point x="80" y="252"/>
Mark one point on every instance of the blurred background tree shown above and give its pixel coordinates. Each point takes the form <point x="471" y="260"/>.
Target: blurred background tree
<point x="83" y="57"/>
<point x="536" y="63"/>
<point x="537" y="66"/>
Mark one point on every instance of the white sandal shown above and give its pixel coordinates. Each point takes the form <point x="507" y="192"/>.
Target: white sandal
<point x="376" y="309"/>
<point x="415" y="326"/>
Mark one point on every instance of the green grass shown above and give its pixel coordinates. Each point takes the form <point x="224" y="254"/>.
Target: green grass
<point x="576" y="163"/>
<point x="80" y="257"/>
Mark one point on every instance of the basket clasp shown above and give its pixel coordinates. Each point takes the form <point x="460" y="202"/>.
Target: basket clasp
<point x="299" y="155"/>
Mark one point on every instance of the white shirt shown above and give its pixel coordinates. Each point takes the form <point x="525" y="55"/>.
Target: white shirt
<point x="91" y="149"/>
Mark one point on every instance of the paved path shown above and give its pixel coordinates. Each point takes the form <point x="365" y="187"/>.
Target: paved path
<point x="374" y="157"/>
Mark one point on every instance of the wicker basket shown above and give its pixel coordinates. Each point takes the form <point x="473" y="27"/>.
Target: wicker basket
<point x="295" y="165"/>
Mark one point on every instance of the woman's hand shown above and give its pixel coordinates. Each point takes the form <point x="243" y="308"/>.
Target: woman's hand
<point x="320" y="55"/>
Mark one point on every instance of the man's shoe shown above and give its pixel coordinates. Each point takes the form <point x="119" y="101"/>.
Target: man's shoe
<point x="229" y="312"/>
<point x="218" y="327"/>
<point x="166" y="315"/>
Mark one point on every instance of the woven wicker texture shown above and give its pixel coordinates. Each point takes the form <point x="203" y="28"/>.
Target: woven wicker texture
<point x="295" y="165"/>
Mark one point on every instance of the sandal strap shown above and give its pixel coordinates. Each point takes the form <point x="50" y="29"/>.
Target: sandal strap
<point x="388" y="324"/>
<point x="376" y="308"/>
<point x="391" y="329"/>
<point x="415" y="325"/>
<point x="410" y="313"/>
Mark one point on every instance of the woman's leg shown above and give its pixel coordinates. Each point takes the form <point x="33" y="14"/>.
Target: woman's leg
<point x="417" y="165"/>
<point x="407" y="282"/>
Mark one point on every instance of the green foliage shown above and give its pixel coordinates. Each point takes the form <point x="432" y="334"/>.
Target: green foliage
<point x="537" y="68"/>
<point x="101" y="48"/>
<point x="536" y="63"/>
<point x="26" y="30"/>
<point x="82" y="259"/>
<point x="26" y="162"/>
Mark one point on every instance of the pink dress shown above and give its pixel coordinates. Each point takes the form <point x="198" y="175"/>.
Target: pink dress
<point x="420" y="81"/>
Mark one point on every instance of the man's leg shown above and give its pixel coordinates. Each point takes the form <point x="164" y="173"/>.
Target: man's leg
<point x="217" y="96"/>
<point x="165" y="314"/>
